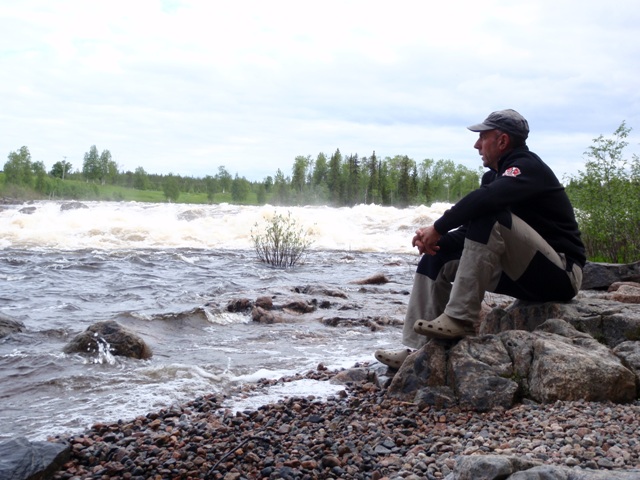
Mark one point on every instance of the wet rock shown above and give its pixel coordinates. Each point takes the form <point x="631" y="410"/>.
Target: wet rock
<point x="112" y="336"/>
<point x="193" y="214"/>
<point x="373" y="324"/>
<point x="261" y="315"/>
<point x="72" y="206"/>
<point x="320" y="290"/>
<point x="28" y="210"/>
<point x="299" y="306"/>
<point x="264" y="302"/>
<point x="9" y="325"/>
<point x="377" y="279"/>
<point x="239" y="305"/>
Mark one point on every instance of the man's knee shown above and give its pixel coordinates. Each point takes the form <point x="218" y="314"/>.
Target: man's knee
<point x="432" y="265"/>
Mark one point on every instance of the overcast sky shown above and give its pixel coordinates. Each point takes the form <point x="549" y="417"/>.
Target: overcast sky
<point x="186" y="86"/>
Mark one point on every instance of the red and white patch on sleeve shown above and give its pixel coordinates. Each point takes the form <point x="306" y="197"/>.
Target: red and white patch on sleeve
<point x="512" y="172"/>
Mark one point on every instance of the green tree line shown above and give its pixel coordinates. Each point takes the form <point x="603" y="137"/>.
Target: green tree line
<point x="335" y="180"/>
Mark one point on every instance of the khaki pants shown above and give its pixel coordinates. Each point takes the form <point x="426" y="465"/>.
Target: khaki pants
<point x="499" y="254"/>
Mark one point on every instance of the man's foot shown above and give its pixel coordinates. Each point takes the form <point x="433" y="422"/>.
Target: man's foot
<point x="393" y="358"/>
<point x="444" y="327"/>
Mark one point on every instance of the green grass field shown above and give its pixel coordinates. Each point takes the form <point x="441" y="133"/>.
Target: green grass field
<point x="80" y="190"/>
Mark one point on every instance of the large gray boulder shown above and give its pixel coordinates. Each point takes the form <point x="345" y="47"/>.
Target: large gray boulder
<point x="601" y="275"/>
<point x="489" y="467"/>
<point x="570" y="365"/>
<point x="585" y="349"/>
<point x="21" y="459"/>
<point x="502" y="467"/>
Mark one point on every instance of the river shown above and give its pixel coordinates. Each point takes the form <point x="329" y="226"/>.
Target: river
<point x="167" y="272"/>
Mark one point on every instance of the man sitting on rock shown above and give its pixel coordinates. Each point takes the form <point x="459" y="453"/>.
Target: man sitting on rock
<point x="515" y="235"/>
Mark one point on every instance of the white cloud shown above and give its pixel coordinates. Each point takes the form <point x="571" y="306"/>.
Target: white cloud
<point x="187" y="86"/>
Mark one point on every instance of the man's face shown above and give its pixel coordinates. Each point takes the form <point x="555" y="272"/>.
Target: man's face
<point x="490" y="146"/>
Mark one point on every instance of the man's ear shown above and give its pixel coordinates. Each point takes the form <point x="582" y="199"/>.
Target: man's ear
<point x="503" y="141"/>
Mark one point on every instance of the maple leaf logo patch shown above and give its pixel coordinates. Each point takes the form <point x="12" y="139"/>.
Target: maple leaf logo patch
<point x="512" y="172"/>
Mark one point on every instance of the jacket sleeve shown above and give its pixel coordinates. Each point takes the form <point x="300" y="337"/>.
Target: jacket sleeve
<point x="522" y="179"/>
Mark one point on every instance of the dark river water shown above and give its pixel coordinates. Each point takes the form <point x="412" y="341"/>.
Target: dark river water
<point x="167" y="272"/>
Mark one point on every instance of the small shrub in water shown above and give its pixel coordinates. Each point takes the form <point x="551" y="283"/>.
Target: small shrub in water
<point x="282" y="243"/>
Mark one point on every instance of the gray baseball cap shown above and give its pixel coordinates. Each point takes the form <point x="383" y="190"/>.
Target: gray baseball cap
<point x="508" y="121"/>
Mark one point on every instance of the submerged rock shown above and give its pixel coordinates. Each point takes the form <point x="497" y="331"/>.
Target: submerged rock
<point x="377" y="279"/>
<point x="9" y="325"/>
<point x="72" y="206"/>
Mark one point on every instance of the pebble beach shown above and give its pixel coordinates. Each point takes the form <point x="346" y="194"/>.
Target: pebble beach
<point x="359" y="433"/>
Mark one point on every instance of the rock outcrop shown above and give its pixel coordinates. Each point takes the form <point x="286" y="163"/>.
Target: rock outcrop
<point x="585" y="349"/>
<point x="555" y="362"/>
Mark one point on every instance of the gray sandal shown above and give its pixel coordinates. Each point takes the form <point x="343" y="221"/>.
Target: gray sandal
<point x="444" y="327"/>
<point x="393" y="358"/>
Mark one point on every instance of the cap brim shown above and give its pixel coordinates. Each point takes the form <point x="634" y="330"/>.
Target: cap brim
<point x="480" y="127"/>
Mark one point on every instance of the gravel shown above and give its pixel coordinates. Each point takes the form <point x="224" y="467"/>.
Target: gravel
<point x="357" y="434"/>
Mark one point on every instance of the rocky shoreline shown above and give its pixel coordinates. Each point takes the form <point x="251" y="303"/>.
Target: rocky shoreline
<point x="358" y="434"/>
<point x="367" y="431"/>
